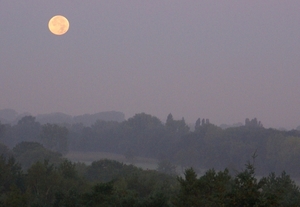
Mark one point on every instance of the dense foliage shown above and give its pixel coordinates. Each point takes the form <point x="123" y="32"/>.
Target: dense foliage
<point x="243" y="189"/>
<point x="206" y="146"/>
<point x="103" y="183"/>
<point x="109" y="183"/>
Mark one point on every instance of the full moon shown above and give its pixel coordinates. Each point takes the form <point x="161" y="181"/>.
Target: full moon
<point x="58" y="25"/>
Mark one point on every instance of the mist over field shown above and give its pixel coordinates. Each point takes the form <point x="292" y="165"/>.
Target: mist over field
<point x="201" y="145"/>
<point x="164" y="103"/>
<point x="113" y="157"/>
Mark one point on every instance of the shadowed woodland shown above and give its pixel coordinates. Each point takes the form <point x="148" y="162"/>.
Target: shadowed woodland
<point x="34" y="171"/>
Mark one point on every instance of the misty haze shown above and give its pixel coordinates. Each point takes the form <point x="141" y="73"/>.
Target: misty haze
<point x="160" y="103"/>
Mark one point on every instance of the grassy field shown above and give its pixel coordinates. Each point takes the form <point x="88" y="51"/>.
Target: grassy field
<point x="89" y="157"/>
<point x="142" y="162"/>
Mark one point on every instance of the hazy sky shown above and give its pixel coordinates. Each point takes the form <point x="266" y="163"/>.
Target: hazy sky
<point x="222" y="60"/>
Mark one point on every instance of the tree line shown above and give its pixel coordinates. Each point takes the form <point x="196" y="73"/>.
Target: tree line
<point x="108" y="183"/>
<point x="204" y="146"/>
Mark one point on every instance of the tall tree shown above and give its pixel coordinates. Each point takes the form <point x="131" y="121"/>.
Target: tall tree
<point x="55" y="137"/>
<point x="197" y="124"/>
<point x="27" y="129"/>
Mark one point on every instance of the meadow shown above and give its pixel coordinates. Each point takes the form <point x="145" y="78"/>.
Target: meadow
<point x="89" y="157"/>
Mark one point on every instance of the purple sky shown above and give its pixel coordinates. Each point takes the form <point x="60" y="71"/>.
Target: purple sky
<point x="222" y="60"/>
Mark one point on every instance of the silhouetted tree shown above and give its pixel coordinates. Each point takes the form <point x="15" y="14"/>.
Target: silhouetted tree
<point x="27" y="129"/>
<point x="55" y="137"/>
<point x="197" y="124"/>
<point x="253" y="123"/>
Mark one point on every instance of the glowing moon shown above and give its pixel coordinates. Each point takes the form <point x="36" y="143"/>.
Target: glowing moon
<point x="58" y="25"/>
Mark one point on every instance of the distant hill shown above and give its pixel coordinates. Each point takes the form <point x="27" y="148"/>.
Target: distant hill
<point x="57" y="117"/>
<point x="12" y="117"/>
<point x="86" y="119"/>
<point x="89" y="119"/>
